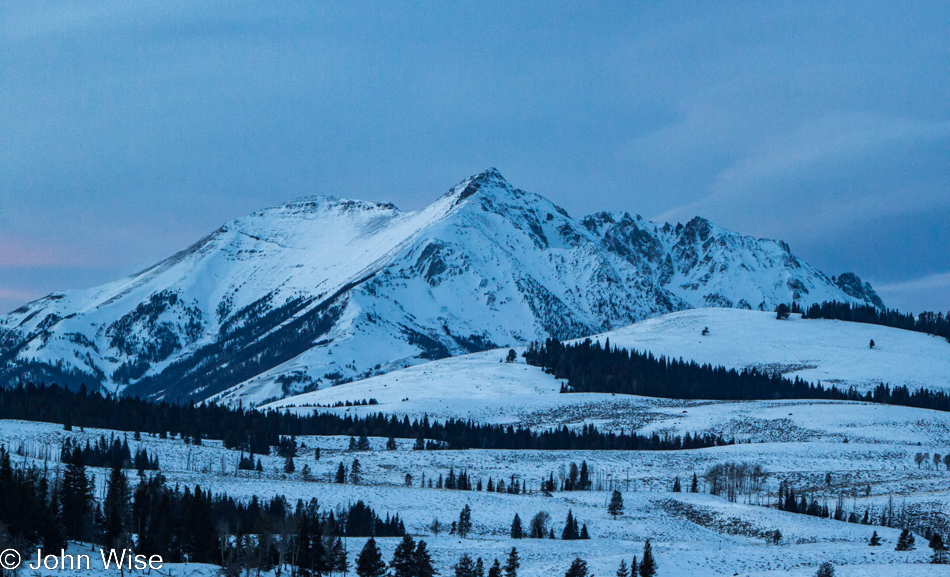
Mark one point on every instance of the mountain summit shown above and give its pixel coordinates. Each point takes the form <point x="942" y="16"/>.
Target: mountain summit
<point x="320" y="290"/>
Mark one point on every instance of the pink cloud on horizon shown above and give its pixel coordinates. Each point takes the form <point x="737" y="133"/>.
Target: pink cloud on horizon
<point x="22" y="253"/>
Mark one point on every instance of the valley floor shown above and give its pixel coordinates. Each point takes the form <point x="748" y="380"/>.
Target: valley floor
<point x="693" y="534"/>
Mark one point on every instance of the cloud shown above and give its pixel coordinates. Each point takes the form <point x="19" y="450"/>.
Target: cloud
<point x="836" y="171"/>
<point x="23" y="253"/>
<point x="929" y="282"/>
<point x="930" y="292"/>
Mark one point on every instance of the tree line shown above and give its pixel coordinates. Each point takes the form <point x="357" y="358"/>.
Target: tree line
<point x="926" y="322"/>
<point x="106" y="452"/>
<point x="258" y="431"/>
<point x="40" y="508"/>
<point x="589" y="366"/>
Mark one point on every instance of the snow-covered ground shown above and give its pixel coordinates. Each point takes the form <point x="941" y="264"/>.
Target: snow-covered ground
<point x="693" y="533"/>
<point x="829" y="351"/>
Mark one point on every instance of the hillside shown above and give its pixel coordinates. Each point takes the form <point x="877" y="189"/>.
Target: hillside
<point x="481" y="387"/>
<point x="321" y="290"/>
<point x="817" y="350"/>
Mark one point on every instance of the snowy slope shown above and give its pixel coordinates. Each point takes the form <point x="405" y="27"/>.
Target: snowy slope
<point x="829" y="351"/>
<point x="481" y="387"/>
<point x="322" y="290"/>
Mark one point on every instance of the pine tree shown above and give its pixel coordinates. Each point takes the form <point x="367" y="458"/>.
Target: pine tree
<point x="355" y="472"/>
<point x="370" y="562"/>
<point x="585" y="483"/>
<point x="584" y="534"/>
<point x="512" y="563"/>
<point x="479" y="568"/>
<point x="363" y="443"/>
<point x="623" y="571"/>
<point x="615" y="507"/>
<point x="403" y="561"/>
<point x="905" y="542"/>
<point x="826" y="570"/>
<point x="578" y="568"/>
<point x="694" y="486"/>
<point x="465" y="567"/>
<point x="464" y="522"/>
<point x="634" y="568"/>
<point x="875" y="540"/>
<point x="516" y="530"/>
<point x="422" y="561"/>
<point x="340" y="474"/>
<point x="570" y="531"/>
<point x="289" y="465"/>
<point x="495" y="569"/>
<point x="115" y="508"/>
<point x="337" y="562"/>
<point x="939" y="550"/>
<point x="648" y="565"/>
<point x="76" y="497"/>
<point x="677" y="488"/>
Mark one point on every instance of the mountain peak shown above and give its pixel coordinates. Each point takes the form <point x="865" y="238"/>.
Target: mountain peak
<point x="490" y="176"/>
<point x="487" y="179"/>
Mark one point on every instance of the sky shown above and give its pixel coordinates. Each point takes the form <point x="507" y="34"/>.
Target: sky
<point x="129" y="130"/>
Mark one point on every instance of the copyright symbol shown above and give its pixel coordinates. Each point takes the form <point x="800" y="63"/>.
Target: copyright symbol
<point x="9" y="559"/>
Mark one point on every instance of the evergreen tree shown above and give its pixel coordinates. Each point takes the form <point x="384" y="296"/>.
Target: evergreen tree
<point x="391" y="444"/>
<point x="512" y="563"/>
<point x="337" y="562"/>
<point x="584" y="534"/>
<point x="370" y="562"/>
<point x="939" y="556"/>
<point x="464" y="522"/>
<point x="615" y="507"/>
<point x="694" y="486"/>
<point x="875" y="540"/>
<point x="571" y="531"/>
<point x="495" y="569"/>
<point x="355" y="472"/>
<point x="115" y="509"/>
<point x="403" y="561"/>
<point x="465" y="567"/>
<point x="422" y="561"/>
<point x="516" y="531"/>
<point x="905" y="542"/>
<point x="585" y="483"/>
<point x="479" y="568"/>
<point x="578" y="568"/>
<point x="647" y="565"/>
<point x="634" y="568"/>
<point x="363" y="443"/>
<point x="289" y="466"/>
<point x="340" y="474"/>
<point x="76" y="497"/>
<point x="623" y="571"/>
<point x="826" y="569"/>
<point x="677" y="488"/>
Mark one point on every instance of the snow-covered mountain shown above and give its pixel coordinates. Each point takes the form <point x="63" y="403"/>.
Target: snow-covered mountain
<point x="322" y="289"/>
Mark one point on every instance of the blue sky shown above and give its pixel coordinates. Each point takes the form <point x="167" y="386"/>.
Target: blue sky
<point x="130" y="130"/>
